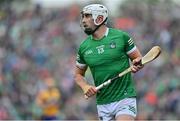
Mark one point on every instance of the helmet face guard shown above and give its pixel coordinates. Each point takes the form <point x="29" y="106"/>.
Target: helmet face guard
<point x="96" y="10"/>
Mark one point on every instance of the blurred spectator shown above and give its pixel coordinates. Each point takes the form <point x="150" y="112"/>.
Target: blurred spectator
<point x="48" y="99"/>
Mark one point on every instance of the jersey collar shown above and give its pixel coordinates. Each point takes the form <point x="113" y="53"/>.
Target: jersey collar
<point x="105" y="34"/>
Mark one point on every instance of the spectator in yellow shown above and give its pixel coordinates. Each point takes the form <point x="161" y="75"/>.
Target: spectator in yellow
<point x="48" y="99"/>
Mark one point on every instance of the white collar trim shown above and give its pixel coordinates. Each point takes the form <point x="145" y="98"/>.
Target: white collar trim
<point x="106" y="33"/>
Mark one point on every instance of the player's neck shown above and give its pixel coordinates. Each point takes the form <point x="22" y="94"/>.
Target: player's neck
<point x="100" y="32"/>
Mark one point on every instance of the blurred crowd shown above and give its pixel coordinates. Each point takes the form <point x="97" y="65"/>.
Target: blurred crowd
<point x="38" y="44"/>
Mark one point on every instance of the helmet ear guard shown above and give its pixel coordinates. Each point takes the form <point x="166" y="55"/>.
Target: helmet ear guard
<point x="97" y="22"/>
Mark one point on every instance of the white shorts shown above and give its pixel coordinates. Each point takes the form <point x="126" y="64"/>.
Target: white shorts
<point x="110" y="111"/>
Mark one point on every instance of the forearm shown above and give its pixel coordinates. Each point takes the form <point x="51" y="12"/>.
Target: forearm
<point x="80" y="81"/>
<point x="136" y="57"/>
<point x="88" y="90"/>
<point x="135" y="54"/>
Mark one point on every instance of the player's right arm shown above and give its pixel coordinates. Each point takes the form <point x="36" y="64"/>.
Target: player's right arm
<point x="81" y="67"/>
<point x="88" y="89"/>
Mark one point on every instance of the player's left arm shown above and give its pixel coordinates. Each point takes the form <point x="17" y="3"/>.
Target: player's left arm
<point x="136" y="57"/>
<point x="133" y="53"/>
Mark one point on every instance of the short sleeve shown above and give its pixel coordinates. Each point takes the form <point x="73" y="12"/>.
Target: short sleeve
<point x="129" y="43"/>
<point x="80" y="60"/>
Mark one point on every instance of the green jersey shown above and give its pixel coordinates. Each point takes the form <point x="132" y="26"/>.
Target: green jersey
<point x="106" y="58"/>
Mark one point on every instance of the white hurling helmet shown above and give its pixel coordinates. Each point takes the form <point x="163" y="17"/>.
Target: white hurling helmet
<point x="96" y="10"/>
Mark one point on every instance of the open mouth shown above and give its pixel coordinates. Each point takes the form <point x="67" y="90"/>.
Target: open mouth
<point x="85" y="26"/>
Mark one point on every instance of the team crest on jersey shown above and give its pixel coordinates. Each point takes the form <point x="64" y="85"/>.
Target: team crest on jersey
<point x="112" y="45"/>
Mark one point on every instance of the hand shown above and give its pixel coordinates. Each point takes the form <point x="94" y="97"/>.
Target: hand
<point x="137" y="65"/>
<point x="89" y="90"/>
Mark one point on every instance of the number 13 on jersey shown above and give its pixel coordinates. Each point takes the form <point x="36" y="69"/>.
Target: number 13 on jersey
<point x="100" y="49"/>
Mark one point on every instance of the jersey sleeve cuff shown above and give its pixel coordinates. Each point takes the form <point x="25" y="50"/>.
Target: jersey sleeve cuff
<point x="79" y="65"/>
<point x="130" y="51"/>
